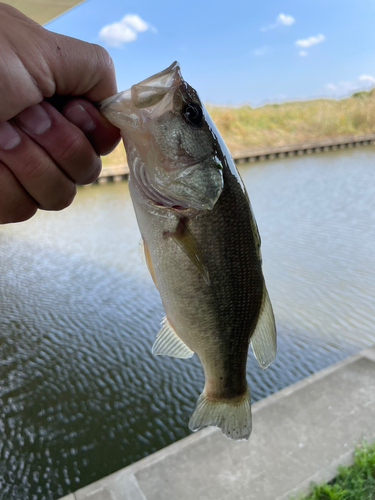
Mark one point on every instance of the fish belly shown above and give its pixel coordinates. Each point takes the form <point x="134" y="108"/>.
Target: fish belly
<point x="214" y="320"/>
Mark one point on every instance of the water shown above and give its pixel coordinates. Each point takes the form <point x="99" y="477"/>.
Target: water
<point x="80" y="393"/>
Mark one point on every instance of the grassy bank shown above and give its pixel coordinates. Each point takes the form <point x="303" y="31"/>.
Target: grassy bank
<point x="287" y="123"/>
<point x="356" y="482"/>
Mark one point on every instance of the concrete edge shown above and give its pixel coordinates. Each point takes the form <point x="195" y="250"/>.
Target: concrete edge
<point x="272" y="399"/>
<point x="327" y="474"/>
<point x="120" y="172"/>
<point x="306" y="381"/>
<point x="113" y="486"/>
<point x="316" y="145"/>
<point x="323" y="475"/>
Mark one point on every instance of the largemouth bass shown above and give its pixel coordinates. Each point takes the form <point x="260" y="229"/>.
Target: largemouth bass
<point x="201" y="243"/>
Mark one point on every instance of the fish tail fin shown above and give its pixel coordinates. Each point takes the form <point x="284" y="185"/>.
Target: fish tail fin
<point x="233" y="416"/>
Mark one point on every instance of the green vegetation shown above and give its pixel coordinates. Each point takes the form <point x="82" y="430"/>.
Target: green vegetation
<point x="287" y="123"/>
<point x="356" y="482"/>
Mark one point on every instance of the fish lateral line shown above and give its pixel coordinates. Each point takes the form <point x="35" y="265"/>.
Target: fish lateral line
<point x="184" y="238"/>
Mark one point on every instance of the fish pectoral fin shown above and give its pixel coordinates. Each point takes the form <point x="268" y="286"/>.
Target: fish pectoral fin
<point x="144" y="254"/>
<point x="188" y="244"/>
<point x="263" y="340"/>
<point x="168" y="343"/>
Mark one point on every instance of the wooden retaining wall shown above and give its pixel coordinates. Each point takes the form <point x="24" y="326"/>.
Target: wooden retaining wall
<point x="119" y="172"/>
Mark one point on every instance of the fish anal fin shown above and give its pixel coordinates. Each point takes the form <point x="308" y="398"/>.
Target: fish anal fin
<point x="263" y="340"/>
<point x="186" y="241"/>
<point x="168" y="343"/>
<point x="232" y="416"/>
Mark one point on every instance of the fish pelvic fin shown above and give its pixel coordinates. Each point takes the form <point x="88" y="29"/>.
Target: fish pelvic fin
<point x="263" y="340"/>
<point x="168" y="343"/>
<point x="144" y="253"/>
<point x="233" y="416"/>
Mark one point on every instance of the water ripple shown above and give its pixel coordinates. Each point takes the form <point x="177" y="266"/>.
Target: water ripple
<point x="80" y="393"/>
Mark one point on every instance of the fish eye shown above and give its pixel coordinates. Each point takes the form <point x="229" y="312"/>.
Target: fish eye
<point x="192" y="114"/>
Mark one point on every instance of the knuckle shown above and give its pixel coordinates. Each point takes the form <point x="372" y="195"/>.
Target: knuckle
<point x="64" y="199"/>
<point x="26" y="212"/>
<point x="22" y="212"/>
<point x="75" y="153"/>
<point x="34" y="166"/>
<point x="105" y="60"/>
<point x="92" y="173"/>
<point x="70" y="146"/>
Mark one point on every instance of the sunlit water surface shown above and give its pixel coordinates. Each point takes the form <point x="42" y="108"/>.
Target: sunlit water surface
<point x="81" y="395"/>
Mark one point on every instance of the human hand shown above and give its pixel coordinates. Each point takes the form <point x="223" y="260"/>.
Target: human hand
<point x="44" y="152"/>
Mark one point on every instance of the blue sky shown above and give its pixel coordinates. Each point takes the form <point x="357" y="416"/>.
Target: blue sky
<point x="238" y="51"/>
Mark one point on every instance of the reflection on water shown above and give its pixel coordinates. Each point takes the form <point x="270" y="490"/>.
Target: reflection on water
<point x="80" y="393"/>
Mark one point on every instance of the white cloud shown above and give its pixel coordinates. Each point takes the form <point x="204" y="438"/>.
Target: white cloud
<point x="312" y="40"/>
<point x="367" y="78"/>
<point x="285" y="19"/>
<point x="135" y="22"/>
<point x="331" y="86"/>
<point x="344" y="87"/>
<point x="261" y="51"/>
<point x="124" y="31"/>
<point x="302" y="53"/>
<point x="116" y="34"/>
<point x="348" y="87"/>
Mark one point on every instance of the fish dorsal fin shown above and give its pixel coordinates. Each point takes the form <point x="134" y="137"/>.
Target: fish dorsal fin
<point x="144" y="253"/>
<point x="263" y="340"/>
<point x="168" y="343"/>
<point x="188" y="244"/>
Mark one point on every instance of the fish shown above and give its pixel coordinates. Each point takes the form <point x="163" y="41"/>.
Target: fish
<point x="200" y="242"/>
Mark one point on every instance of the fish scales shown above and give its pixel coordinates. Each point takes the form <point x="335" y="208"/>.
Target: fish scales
<point x="214" y="321"/>
<point x="202" y="244"/>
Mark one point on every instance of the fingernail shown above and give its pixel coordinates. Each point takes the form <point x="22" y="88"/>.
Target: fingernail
<point x="34" y="119"/>
<point x="78" y="115"/>
<point x="9" y="137"/>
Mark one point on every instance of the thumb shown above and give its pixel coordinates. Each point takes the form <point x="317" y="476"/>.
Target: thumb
<point x="44" y="63"/>
<point x="80" y="68"/>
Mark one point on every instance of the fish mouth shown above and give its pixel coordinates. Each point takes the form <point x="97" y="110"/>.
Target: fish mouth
<point x="102" y="105"/>
<point x="127" y="109"/>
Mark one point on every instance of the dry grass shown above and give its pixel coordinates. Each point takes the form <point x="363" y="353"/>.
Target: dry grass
<point x="287" y="123"/>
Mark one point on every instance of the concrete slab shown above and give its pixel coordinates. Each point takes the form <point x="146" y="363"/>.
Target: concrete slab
<point x="300" y="434"/>
<point x="369" y="353"/>
<point x="296" y="438"/>
<point x="121" y="485"/>
<point x="69" y="497"/>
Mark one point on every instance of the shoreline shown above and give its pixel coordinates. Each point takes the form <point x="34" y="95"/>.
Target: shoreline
<point x="115" y="173"/>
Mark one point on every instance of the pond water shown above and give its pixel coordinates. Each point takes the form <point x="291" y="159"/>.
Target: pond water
<point x="80" y="393"/>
